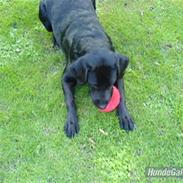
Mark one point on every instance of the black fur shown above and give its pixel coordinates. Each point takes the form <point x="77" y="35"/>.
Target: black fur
<point x="90" y="56"/>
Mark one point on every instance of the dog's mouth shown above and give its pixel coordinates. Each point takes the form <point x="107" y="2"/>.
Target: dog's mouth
<point x="101" y="104"/>
<point x="102" y="100"/>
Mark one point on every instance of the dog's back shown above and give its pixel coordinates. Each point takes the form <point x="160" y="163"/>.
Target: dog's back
<point x="75" y="26"/>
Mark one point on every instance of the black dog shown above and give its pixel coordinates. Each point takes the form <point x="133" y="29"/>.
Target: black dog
<point x="90" y="55"/>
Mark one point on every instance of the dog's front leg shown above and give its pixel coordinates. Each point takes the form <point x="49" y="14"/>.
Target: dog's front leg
<point x="125" y="120"/>
<point x="71" y="125"/>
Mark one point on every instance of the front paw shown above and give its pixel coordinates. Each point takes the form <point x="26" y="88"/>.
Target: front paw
<point x="71" y="126"/>
<point x="127" y="123"/>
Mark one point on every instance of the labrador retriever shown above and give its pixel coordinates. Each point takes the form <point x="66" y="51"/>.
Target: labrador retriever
<point x="90" y="56"/>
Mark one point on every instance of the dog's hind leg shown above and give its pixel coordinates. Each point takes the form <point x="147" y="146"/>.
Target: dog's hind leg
<point x="94" y="4"/>
<point x="43" y="16"/>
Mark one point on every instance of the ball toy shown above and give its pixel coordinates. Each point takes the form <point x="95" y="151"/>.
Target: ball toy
<point x="113" y="102"/>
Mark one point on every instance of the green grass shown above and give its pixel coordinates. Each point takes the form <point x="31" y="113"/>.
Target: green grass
<point x="34" y="147"/>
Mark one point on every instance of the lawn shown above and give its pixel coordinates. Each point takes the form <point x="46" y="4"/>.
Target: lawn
<point x="34" y="147"/>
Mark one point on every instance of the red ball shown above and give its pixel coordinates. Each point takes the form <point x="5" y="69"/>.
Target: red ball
<point x="113" y="102"/>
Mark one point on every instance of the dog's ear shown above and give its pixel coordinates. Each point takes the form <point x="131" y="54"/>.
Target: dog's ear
<point x="122" y="63"/>
<point x="79" y="69"/>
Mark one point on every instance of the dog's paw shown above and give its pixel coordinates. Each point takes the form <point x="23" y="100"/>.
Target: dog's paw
<point x="71" y="126"/>
<point x="127" y="123"/>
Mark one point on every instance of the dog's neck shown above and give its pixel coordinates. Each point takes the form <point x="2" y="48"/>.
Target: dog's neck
<point x="90" y="45"/>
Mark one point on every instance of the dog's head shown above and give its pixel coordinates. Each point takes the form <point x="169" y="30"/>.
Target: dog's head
<point x="101" y="70"/>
